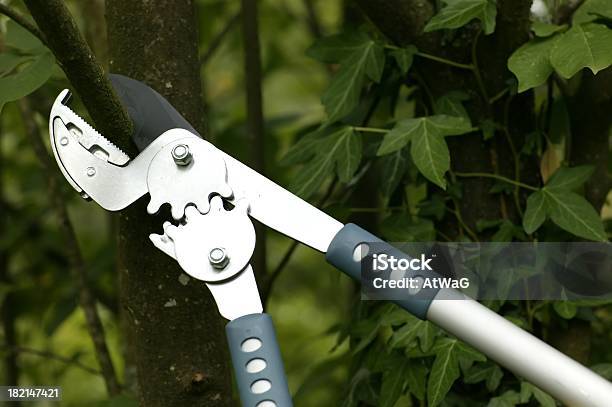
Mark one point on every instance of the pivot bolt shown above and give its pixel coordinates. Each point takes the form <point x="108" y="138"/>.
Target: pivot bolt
<point x="218" y="258"/>
<point x="181" y="155"/>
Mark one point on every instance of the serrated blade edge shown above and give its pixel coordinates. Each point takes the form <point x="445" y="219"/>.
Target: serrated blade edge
<point x="89" y="137"/>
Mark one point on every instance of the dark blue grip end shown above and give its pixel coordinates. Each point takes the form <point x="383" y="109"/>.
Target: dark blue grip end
<point x="258" y="366"/>
<point x="340" y="255"/>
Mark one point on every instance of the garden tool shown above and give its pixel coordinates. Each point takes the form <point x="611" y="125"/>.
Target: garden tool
<point x="213" y="197"/>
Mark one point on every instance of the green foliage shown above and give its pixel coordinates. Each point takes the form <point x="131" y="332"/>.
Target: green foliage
<point x="565" y="51"/>
<point x="488" y="372"/>
<point x="401" y="358"/>
<point x="366" y="59"/>
<point x="428" y="150"/>
<point x="450" y="353"/>
<point x="339" y="152"/>
<point x="592" y="10"/>
<point x="404" y="57"/>
<point x="531" y="63"/>
<point x="26" y="67"/>
<point x="393" y="382"/>
<point x="582" y="46"/>
<point x="528" y="391"/>
<point x="458" y="13"/>
<point x="392" y="171"/>
<point x="567" y="209"/>
<point x="543" y="30"/>
<point x="536" y="211"/>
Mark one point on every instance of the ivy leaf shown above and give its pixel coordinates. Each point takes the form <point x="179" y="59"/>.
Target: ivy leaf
<point x="399" y="136"/>
<point x="445" y="369"/>
<point x="431" y="156"/>
<point x="570" y="178"/>
<point x="19" y="38"/>
<point x="531" y="63"/>
<point x="489" y="373"/>
<point x="28" y="79"/>
<point x="507" y="230"/>
<point x="340" y="151"/>
<point x="393" y="170"/>
<point x="404" y="57"/>
<point x="312" y="175"/>
<point x="10" y="61"/>
<point x="305" y="148"/>
<point x="428" y="150"/>
<point x="575" y="214"/>
<point x="583" y="46"/>
<point x="404" y="228"/>
<point x="488" y="128"/>
<point x="528" y="389"/>
<point x="444" y="372"/>
<point x="543" y="30"/>
<point x="458" y="13"/>
<point x="415" y="379"/>
<point x="565" y="309"/>
<point x="342" y="95"/>
<point x="413" y="329"/>
<point x="335" y="48"/>
<point x="426" y="336"/>
<point x="451" y="105"/>
<point x="509" y="398"/>
<point x="535" y="212"/>
<point x="434" y="207"/>
<point x="592" y="10"/>
<point x="393" y="381"/>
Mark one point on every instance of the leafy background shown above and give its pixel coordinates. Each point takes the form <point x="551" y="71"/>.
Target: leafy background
<point x="352" y="126"/>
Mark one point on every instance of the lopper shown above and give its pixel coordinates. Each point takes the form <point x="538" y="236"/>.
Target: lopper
<point x="213" y="198"/>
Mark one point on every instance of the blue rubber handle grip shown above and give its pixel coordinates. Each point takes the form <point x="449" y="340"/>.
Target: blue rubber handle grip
<point x="258" y="365"/>
<point x="340" y="255"/>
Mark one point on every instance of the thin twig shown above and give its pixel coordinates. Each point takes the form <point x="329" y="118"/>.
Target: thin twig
<point x="83" y="71"/>
<point x="217" y="40"/>
<point x="22" y="21"/>
<point x="370" y="129"/>
<point x="269" y="283"/>
<point x="445" y="61"/>
<point x="313" y="19"/>
<point x="477" y="74"/>
<point x="255" y="119"/>
<point x="495" y="176"/>
<point x="73" y="251"/>
<point x="15" y="350"/>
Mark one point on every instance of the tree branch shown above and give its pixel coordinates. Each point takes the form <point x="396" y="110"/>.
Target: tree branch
<point x="217" y="40"/>
<point x="313" y="19"/>
<point x="22" y="21"/>
<point x="73" y="252"/>
<point x="83" y="71"/>
<point x="15" y="350"/>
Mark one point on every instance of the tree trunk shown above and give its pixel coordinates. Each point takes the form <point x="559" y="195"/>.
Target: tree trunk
<point x="180" y="348"/>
